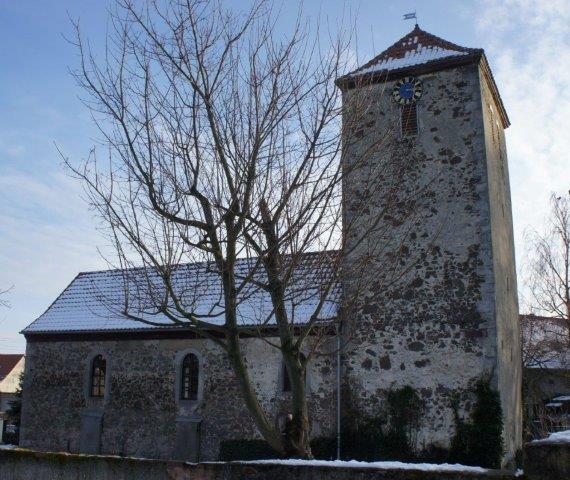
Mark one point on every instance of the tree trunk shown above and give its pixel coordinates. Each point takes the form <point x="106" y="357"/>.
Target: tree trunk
<point x="267" y="430"/>
<point x="297" y="439"/>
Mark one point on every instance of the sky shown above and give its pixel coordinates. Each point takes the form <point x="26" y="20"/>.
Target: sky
<point x="47" y="232"/>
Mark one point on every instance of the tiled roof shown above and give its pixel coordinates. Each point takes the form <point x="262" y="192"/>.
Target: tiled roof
<point x="416" y="48"/>
<point x="8" y="362"/>
<point x="420" y="52"/>
<point x="94" y="301"/>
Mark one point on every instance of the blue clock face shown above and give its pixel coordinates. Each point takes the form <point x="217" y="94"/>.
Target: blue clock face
<point x="407" y="90"/>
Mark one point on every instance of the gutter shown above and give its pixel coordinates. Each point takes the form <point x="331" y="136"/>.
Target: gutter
<point x="338" y="378"/>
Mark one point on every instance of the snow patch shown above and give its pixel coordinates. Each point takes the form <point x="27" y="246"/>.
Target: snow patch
<point x="422" y="54"/>
<point x="554" y="438"/>
<point x="428" y="467"/>
<point x="95" y="301"/>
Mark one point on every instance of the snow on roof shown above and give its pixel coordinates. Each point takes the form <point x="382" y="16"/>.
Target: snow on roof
<point x="557" y="437"/>
<point x="95" y="301"/>
<point x="560" y="362"/>
<point x="416" y="48"/>
<point x="544" y="342"/>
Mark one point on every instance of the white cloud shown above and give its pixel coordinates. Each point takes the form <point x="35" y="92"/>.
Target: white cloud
<point x="528" y="44"/>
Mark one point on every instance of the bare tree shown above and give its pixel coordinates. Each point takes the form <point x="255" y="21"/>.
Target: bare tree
<point x="546" y="329"/>
<point x="3" y="300"/>
<point x="543" y="341"/>
<point x="549" y="285"/>
<point x="225" y="144"/>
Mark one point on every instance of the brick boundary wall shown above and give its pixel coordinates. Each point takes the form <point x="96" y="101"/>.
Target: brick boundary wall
<point x="21" y="464"/>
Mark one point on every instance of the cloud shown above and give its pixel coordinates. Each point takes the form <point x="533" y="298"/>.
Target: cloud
<point x="47" y="235"/>
<point x="528" y="44"/>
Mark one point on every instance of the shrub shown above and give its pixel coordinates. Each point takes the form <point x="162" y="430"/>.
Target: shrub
<point x="480" y="442"/>
<point x="242" y="449"/>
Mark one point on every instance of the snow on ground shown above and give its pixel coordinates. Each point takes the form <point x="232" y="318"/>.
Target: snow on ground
<point x="557" y="437"/>
<point x="431" y="467"/>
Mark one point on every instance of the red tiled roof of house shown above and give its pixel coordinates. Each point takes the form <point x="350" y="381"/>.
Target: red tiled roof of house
<point x="8" y="362"/>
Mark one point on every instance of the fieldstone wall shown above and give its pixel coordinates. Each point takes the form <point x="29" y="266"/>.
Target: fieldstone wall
<point x="429" y="301"/>
<point x="544" y="460"/>
<point x="433" y="309"/>
<point x="139" y="415"/>
<point x="29" y="465"/>
<point x="508" y="335"/>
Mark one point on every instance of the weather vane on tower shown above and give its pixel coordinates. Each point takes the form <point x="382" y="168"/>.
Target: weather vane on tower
<point x="411" y="16"/>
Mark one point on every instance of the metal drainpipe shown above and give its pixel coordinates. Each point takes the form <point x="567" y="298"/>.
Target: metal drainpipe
<point x="338" y="367"/>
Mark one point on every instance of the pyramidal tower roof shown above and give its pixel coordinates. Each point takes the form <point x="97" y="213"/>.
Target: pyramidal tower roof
<point x="417" y="53"/>
<point x="416" y="48"/>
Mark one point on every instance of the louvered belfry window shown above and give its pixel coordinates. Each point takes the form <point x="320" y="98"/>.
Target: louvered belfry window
<point x="98" y="370"/>
<point x="189" y="378"/>
<point x="409" y="119"/>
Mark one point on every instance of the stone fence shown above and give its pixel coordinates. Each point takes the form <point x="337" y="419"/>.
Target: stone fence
<point x="21" y="464"/>
<point x="547" y="461"/>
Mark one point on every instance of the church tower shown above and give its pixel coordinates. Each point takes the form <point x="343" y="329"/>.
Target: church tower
<point x="427" y="219"/>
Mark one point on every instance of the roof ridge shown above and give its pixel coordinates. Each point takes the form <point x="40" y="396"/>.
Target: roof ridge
<point x="454" y="46"/>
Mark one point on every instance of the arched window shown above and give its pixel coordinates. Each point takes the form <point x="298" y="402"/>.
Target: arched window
<point x="98" y="370"/>
<point x="189" y="377"/>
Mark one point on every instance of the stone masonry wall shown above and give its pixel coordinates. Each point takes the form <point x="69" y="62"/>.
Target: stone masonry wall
<point x="424" y="313"/>
<point x="140" y="408"/>
<point x="509" y="362"/>
<point x="30" y="465"/>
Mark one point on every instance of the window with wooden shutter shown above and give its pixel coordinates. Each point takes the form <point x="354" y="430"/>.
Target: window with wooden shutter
<point x="409" y="119"/>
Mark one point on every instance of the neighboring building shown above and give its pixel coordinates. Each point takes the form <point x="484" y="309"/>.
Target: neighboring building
<point x="96" y="381"/>
<point x="546" y="377"/>
<point x="11" y="367"/>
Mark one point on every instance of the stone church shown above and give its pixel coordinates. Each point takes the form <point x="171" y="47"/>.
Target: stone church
<point x="99" y="383"/>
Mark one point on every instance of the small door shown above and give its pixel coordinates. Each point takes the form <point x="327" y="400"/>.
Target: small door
<point x="187" y="439"/>
<point x="90" y="436"/>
